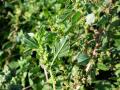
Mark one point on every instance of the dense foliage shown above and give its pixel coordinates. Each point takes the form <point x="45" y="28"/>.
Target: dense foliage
<point x="59" y="44"/>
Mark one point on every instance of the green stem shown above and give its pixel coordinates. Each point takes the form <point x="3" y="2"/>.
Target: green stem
<point x="52" y="77"/>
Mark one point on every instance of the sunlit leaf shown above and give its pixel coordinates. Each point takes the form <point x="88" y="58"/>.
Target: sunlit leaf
<point x="75" y="17"/>
<point x="102" y="67"/>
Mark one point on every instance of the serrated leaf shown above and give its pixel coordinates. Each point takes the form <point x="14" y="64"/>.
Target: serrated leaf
<point x="30" y="42"/>
<point x="83" y="58"/>
<point x="61" y="48"/>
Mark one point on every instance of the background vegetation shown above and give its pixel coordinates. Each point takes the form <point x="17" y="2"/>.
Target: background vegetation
<point x="59" y="44"/>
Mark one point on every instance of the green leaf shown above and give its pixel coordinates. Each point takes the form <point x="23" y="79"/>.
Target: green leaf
<point x="1" y="53"/>
<point x="104" y="42"/>
<point x="66" y="15"/>
<point x="75" y="71"/>
<point x="7" y="45"/>
<point x="115" y="24"/>
<point x="117" y="36"/>
<point x="30" y="42"/>
<point x="103" y="85"/>
<point x="50" y="37"/>
<point x="61" y="48"/>
<point x="83" y="59"/>
<point x="103" y="20"/>
<point x="101" y="66"/>
<point x="14" y="87"/>
<point x="117" y="65"/>
<point x="117" y="43"/>
<point x="75" y="17"/>
<point x="14" y="65"/>
<point x="30" y="80"/>
<point x="47" y="87"/>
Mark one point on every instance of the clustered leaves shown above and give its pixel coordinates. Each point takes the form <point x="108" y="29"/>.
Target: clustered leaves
<point x="60" y="44"/>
